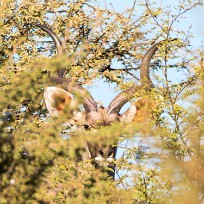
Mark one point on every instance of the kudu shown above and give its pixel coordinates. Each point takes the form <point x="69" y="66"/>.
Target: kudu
<point x="94" y="116"/>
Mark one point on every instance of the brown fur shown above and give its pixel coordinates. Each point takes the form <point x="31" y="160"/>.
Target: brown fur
<point x="101" y="118"/>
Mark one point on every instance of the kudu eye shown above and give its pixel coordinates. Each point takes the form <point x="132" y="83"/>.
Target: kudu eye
<point x="101" y="152"/>
<point x="86" y="127"/>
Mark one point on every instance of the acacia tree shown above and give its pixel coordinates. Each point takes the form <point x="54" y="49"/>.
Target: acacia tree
<point x="38" y="162"/>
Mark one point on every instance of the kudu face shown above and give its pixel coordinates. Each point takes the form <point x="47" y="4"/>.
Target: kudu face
<point x="57" y="99"/>
<point x="102" y="154"/>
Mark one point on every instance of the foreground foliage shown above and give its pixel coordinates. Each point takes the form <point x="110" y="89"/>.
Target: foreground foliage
<point x="37" y="157"/>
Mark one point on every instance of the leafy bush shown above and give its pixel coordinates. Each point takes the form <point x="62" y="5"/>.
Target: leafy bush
<point x="37" y="157"/>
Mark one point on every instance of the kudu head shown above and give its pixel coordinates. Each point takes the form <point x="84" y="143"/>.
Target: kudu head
<point x="94" y="116"/>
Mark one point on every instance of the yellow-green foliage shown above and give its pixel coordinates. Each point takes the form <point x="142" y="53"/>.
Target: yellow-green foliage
<point x="38" y="164"/>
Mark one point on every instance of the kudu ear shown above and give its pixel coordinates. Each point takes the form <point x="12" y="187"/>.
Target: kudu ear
<point x="129" y="115"/>
<point x="56" y="100"/>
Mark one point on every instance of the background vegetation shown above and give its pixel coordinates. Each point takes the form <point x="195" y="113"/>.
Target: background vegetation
<point x="37" y="160"/>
